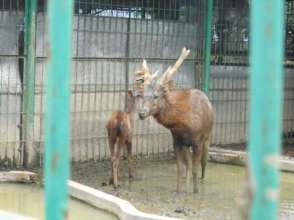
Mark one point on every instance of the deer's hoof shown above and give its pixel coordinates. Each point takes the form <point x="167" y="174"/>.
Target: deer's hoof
<point x="116" y="187"/>
<point x="201" y="180"/>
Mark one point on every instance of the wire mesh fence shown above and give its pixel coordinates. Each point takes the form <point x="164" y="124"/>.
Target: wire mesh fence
<point x="229" y="58"/>
<point x="288" y="134"/>
<point x="110" y="39"/>
<point x="11" y="26"/>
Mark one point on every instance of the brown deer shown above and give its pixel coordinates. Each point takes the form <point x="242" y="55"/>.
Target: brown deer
<point x="119" y="131"/>
<point x="187" y="113"/>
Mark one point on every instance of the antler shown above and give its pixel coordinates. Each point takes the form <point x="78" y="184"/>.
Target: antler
<point x="143" y="77"/>
<point x="173" y="69"/>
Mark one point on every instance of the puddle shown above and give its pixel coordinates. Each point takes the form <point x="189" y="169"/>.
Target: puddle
<point x="28" y="200"/>
<point x="154" y="184"/>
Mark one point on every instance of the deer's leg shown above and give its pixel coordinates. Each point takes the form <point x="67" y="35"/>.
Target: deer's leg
<point x="129" y="156"/>
<point x="180" y="157"/>
<point x="196" y="158"/>
<point x="112" y="157"/>
<point x="204" y="157"/>
<point x="125" y="154"/>
<point x="178" y="162"/>
<point x="188" y="164"/>
<point x="112" y="174"/>
<point x="115" y="165"/>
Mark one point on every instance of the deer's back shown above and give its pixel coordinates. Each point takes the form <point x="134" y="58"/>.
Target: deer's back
<point x="119" y="126"/>
<point x="187" y="113"/>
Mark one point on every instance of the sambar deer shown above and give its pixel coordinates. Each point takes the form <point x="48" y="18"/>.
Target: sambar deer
<point x="119" y="131"/>
<point x="187" y="113"/>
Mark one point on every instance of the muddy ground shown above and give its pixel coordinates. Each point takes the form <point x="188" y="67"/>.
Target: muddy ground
<point x="153" y="189"/>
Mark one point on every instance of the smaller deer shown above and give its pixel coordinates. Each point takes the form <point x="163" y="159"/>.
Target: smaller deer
<point x="120" y="137"/>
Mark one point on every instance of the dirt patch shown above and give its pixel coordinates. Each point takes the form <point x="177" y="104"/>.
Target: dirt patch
<point x="153" y="189"/>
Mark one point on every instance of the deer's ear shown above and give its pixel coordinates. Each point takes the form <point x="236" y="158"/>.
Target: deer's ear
<point x="130" y="93"/>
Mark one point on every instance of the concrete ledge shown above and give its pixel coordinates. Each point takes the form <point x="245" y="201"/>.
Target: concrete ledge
<point x="287" y="165"/>
<point x="119" y="207"/>
<point x="227" y="156"/>
<point x="18" y="176"/>
<point x="239" y="158"/>
<point x="12" y="216"/>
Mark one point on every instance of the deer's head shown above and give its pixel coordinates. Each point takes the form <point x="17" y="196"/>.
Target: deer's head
<point x="151" y="88"/>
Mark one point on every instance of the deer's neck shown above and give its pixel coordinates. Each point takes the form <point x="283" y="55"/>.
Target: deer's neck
<point x="166" y="116"/>
<point x="130" y="108"/>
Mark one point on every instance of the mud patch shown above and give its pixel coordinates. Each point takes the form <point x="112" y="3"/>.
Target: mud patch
<point x="153" y="189"/>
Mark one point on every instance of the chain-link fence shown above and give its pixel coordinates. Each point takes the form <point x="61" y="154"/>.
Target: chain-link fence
<point x="229" y="54"/>
<point x="110" y="39"/>
<point x="11" y="76"/>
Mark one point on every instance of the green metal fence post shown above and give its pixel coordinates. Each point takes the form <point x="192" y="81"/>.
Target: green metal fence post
<point x="266" y="82"/>
<point x="29" y="88"/>
<point x="207" y="48"/>
<point x="57" y="117"/>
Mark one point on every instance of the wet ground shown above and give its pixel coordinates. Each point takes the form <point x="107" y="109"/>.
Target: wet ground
<point x="153" y="189"/>
<point x="28" y="200"/>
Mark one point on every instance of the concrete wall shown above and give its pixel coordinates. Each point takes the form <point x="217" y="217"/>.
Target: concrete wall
<point x="229" y="95"/>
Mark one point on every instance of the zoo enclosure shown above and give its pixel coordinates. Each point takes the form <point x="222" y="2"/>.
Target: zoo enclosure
<point x="110" y="39"/>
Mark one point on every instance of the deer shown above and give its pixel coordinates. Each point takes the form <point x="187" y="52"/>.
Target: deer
<point x="187" y="113"/>
<point x="119" y="130"/>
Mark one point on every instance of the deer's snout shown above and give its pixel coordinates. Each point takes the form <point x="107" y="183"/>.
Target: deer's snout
<point x="143" y="113"/>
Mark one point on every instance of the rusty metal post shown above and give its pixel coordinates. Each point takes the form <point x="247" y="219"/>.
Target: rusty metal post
<point x="57" y="111"/>
<point x="266" y="104"/>
<point x="29" y="81"/>
<point x="206" y="71"/>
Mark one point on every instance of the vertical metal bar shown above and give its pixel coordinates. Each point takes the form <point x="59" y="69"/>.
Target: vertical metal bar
<point x="82" y="84"/>
<point x="266" y="94"/>
<point x="57" y="117"/>
<point x="75" y="131"/>
<point x="91" y="94"/>
<point x="206" y="71"/>
<point x="41" y="115"/>
<point x="127" y="55"/>
<point x="8" y="115"/>
<point x="29" y="89"/>
<point x="20" y="46"/>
